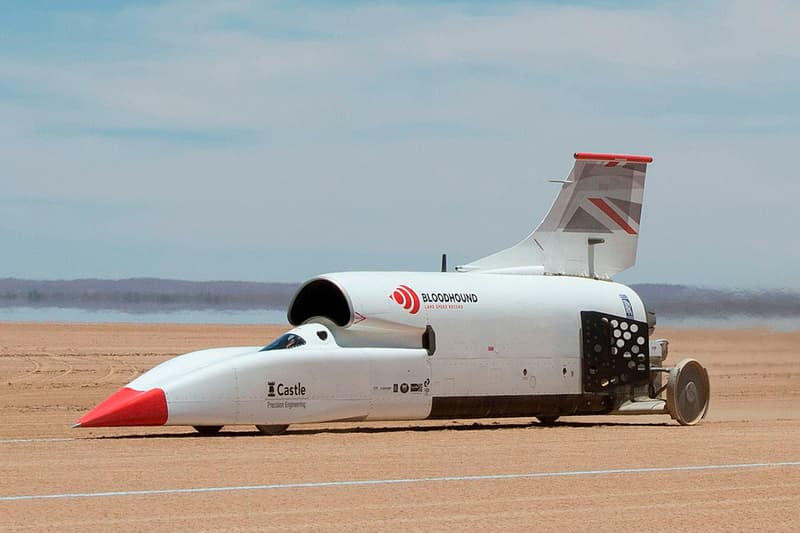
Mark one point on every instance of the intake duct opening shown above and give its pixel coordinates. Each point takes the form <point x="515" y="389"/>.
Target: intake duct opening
<point x="320" y="297"/>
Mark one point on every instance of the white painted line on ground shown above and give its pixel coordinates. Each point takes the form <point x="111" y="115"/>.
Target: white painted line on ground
<point x="365" y="482"/>
<point x="16" y="441"/>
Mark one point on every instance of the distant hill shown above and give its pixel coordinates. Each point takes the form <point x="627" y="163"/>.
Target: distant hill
<point x="156" y="295"/>
<point x="145" y="294"/>
<point x="683" y="301"/>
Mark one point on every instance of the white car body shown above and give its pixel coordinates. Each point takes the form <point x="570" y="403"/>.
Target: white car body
<point x="534" y="330"/>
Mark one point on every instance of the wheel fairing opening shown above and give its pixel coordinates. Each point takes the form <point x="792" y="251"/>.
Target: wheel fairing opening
<point x="320" y="297"/>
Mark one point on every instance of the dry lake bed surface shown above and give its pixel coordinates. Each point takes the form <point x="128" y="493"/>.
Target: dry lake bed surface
<point x="738" y="470"/>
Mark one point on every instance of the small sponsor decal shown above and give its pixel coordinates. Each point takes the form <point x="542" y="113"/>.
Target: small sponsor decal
<point x="407" y="297"/>
<point x="448" y="300"/>
<point x="417" y="388"/>
<point x="286" y="404"/>
<point x="412" y="301"/>
<point x="627" y="304"/>
<point x="449" y="297"/>
<point x="280" y="390"/>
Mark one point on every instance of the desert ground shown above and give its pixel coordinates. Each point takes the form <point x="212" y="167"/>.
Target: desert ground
<point x="738" y="470"/>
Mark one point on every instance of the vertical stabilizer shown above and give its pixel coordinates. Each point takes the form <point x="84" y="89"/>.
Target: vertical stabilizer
<point x="592" y="229"/>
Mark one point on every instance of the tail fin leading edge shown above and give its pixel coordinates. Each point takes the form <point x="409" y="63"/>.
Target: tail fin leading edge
<point x="592" y="228"/>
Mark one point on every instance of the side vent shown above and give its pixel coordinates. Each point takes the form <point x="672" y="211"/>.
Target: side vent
<point x="616" y="351"/>
<point x="429" y="340"/>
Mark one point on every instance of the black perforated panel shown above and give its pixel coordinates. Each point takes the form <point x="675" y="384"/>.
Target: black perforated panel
<point x="616" y="351"/>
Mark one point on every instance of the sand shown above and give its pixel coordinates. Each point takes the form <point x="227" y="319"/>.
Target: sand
<point x="588" y="471"/>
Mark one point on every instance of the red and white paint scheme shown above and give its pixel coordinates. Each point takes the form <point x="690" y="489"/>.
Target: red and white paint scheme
<point x="536" y="330"/>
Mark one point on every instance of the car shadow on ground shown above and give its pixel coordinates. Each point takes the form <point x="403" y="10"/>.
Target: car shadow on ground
<point x="299" y="430"/>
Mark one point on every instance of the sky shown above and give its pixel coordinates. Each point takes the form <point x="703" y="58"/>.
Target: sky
<point x="274" y="141"/>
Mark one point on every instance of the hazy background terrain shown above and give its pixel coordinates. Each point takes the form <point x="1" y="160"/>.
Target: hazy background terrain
<point x="145" y="295"/>
<point x="147" y="299"/>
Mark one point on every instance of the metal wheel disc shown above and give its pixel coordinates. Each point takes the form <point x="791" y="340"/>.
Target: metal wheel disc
<point x="547" y="420"/>
<point x="208" y="430"/>
<point x="688" y="392"/>
<point x="272" y="430"/>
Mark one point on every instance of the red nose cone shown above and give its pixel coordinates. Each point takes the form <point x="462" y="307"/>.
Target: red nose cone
<point x="128" y="407"/>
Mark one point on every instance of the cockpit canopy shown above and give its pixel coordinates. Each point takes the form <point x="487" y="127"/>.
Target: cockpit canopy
<point x="284" y="342"/>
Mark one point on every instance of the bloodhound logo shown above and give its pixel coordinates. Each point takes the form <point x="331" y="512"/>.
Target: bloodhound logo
<point x="405" y="296"/>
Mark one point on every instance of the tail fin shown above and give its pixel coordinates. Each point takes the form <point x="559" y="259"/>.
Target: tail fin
<point x="592" y="229"/>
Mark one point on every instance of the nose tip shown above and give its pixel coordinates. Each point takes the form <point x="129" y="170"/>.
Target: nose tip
<point x="128" y="407"/>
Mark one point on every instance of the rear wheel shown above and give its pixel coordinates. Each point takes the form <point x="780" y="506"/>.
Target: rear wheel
<point x="272" y="430"/>
<point x="208" y="430"/>
<point x="547" y="420"/>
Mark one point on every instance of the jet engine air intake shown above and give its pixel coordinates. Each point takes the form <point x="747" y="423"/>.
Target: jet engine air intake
<point x="320" y="297"/>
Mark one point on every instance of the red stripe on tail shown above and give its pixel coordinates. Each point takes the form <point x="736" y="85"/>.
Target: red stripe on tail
<point x="599" y="202"/>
